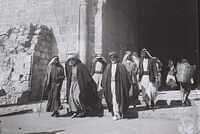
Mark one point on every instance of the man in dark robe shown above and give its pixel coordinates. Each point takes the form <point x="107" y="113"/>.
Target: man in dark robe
<point x="82" y="94"/>
<point x="53" y="84"/>
<point x="132" y="69"/>
<point x="116" y="84"/>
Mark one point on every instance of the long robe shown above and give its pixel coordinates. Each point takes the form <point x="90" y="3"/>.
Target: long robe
<point x="52" y="85"/>
<point x="88" y="89"/>
<point x="171" y="78"/>
<point x="98" y="67"/>
<point x="123" y="84"/>
<point x="132" y="69"/>
<point x="148" y="82"/>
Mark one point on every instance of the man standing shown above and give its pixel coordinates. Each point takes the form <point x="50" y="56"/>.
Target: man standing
<point x="159" y="66"/>
<point x="98" y="67"/>
<point x="82" y="94"/>
<point x="116" y="85"/>
<point x="185" y="79"/>
<point x="148" y="78"/>
<point x="132" y="69"/>
<point x="136" y="58"/>
<point x="52" y="84"/>
<point x="171" y="78"/>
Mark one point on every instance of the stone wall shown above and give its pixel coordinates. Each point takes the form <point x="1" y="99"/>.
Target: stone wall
<point x="43" y="45"/>
<point x="15" y="59"/>
<point x="61" y="15"/>
<point x="24" y="55"/>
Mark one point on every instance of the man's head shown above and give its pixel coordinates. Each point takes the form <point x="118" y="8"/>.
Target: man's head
<point x="98" y="56"/>
<point x="54" y="60"/>
<point x="130" y="58"/>
<point x="184" y="60"/>
<point x="135" y="54"/>
<point x="72" y="59"/>
<point x="128" y="55"/>
<point x="143" y="53"/>
<point x="114" y="57"/>
<point x="128" y="52"/>
<point x="170" y="62"/>
<point x="72" y="62"/>
<point x="57" y="60"/>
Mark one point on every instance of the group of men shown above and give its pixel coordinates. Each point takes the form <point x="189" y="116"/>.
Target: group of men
<point x="119" y="82"/>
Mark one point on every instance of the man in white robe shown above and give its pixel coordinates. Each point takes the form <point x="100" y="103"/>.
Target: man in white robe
<point x="148" y="78"/>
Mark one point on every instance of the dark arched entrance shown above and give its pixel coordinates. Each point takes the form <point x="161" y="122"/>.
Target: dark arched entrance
<point x="169" y="29"/>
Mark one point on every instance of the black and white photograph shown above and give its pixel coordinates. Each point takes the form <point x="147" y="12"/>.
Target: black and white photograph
<point x="99" y="67"/>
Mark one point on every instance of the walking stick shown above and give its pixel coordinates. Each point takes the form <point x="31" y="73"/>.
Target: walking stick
<point x="41" y="102"/>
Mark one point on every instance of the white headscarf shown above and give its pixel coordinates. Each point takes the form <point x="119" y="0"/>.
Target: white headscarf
<point x="147" y="53"/>
<point x="52" y="60"/>
<point x="128" y="53"/>
<point x="72" y="55"/>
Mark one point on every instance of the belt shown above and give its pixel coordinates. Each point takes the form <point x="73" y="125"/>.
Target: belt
<point x="146" y="73"/>
<point x="98" y="72"/>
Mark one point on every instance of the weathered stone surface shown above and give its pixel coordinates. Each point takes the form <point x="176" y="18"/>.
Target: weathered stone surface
<point x="21" y="62"/>
<point x="61" y="15"/>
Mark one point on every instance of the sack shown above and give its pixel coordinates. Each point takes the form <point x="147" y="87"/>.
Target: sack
<point x="184" y="72"/>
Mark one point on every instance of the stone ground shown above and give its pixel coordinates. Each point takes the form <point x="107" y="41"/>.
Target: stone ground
<point x="169" y="117"/>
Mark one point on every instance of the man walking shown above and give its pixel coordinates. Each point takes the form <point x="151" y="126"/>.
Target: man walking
<point x="82" y="94"/>
<point x="148" y="78"/>
<point x="116" y="84"/>
<point x="98" y="67"/>
<point x="53" y="84"/>
<point x="132" y="69"/>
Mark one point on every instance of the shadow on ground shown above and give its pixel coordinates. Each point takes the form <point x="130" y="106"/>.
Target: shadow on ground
<point x="52" y="132"/>
<point x="162" y="104"/>
<point x="133" y="112"/>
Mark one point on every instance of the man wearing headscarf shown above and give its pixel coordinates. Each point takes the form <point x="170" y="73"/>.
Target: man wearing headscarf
<point x="136" y="58"/>
<point x="53" y="84"/>
<point x="98" y="67"/>
<point x="132" y="69"/>
<point x="159" y="66"/>
<point x="148" y="77"/>
<point x="171" y="78"/>
<point x="82" y="94"/>
<point x="116" y="84"/>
